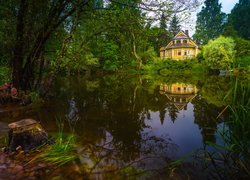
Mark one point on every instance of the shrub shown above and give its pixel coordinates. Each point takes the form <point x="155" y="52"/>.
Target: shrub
<point x="219" y="53"/>
<point x="200" y="57"/>
<point x="242" y="47"/>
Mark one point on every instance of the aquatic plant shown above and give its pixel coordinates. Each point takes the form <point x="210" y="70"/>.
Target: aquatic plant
<point x="63" y="150"/>
<point x="231" y="158"/>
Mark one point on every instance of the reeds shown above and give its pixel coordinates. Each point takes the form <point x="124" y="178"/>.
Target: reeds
<point x="63" y="150"/>
<point x="231" y="159"/>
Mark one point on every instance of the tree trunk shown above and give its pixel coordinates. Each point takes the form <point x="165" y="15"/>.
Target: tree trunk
<point x="26" y="134"/>
<point x="135" y="53"/>
<point x="18" y="47"/>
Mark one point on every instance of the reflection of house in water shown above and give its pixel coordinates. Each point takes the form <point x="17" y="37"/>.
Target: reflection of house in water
<point x="179" y="94"/>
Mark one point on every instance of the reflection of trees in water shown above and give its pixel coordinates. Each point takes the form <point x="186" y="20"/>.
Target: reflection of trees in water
<point x="104" y="158"/>
<point x="205" y="116"/>
<point x="215" y="88"/>
<point x="172" y="112"/>
<point x="120" y="106"/>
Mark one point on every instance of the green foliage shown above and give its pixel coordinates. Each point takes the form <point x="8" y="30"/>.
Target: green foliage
<point x="63" y="150"/>
<point x="76" y="59"/>
<point x="200" y="57"/>
<point x="219" y="53"/>
<point x="210" y="22"/>
<point x="163" y="22"/>
<point x="148" y="56"/>
<point x="168" y="67"/>
<point x="242" y="47"/>
<point x="4" y="74"/>
<point x="35" y="98"/>
<point x="110" y="56"/>
<point x="243" y="63"/>
<point x="239" y="18"/>
<point x="175" y="26"/>
<point x="157" y="37"/>
<point x="215" y="89"/>
<point x="235" y="134"/>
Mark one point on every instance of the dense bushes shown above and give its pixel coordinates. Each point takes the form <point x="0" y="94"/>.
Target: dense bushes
<point x="220" y="53"/>
<point x="167" y="66"/>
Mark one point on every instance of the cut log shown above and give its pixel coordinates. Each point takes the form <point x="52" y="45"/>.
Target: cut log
<point x="27" y="134"/>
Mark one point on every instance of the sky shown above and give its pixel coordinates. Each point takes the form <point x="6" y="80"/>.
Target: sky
<point x="227" y="6"/>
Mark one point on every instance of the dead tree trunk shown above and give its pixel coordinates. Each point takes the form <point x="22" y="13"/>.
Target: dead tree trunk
<point x="26" y="134"/>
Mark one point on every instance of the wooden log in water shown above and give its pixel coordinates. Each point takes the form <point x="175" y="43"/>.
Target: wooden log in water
<point x="26" y="134"/>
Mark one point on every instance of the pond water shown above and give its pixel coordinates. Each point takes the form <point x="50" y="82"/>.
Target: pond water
<point x="134" y="121"/>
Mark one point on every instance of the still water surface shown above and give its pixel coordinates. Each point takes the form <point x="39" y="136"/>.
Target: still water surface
<point x="135" y="120"/>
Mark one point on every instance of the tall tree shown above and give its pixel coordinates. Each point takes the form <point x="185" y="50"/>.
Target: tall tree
<point x="210" y="22"/>
<point x="163" y="22"/>
<point x="239" y="18"/>
<point x="36" y="22"/>
<point x="175" y="26"/>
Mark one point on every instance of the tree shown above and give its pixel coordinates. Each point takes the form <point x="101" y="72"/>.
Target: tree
<point x="210" y="22"/>
<point x="34" y="24"/>
<point x="175" y="26"/>
<point x="239" y="18"/>
<point x="28" y="29"/>
<point x="219" y="53"/>
<point x="163" y="22"/>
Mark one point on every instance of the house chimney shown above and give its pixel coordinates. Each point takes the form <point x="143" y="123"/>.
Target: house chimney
<point x="186" y="32"/>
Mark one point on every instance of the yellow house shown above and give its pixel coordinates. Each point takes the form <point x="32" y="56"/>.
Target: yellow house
<point x="180" y="47"/>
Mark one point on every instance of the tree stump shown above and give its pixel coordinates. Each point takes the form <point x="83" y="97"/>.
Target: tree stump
<point x="26" y="134"/>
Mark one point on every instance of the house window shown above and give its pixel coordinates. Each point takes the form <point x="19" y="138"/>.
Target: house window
<point x="179" y="52"/>
<point x="178" y="42"/>
<point x="185" y="53"/>
<point x="185" y="41"/>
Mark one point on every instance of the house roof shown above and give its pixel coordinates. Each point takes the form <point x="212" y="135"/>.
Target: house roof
<point x="181" y="35"/>
<point x="180" y="46"/>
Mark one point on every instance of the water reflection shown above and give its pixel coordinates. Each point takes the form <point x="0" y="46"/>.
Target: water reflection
<point x="178" y="95"/>
<point x="128" y="119"/>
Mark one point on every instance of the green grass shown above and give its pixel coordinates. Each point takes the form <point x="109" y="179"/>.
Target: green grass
<point x="63" y="150"/>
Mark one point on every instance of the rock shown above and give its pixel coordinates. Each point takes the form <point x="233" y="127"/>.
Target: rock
<point x="26" y="135"/>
